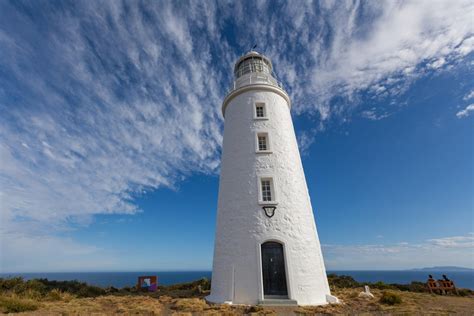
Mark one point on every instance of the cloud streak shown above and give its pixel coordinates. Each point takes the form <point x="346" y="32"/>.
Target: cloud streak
<point x="466" y="112"/>
<point x="446" y="251"/>
<point x="101" y="102"/>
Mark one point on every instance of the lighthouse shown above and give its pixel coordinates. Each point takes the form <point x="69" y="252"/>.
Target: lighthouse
<point x="267" y="249"/>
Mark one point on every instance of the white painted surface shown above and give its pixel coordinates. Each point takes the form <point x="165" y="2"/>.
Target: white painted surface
<point x="241" y="223"/>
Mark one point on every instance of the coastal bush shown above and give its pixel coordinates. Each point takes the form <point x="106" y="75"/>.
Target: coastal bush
<point x="342" y="281"/>
<point x="197" y="288"/>
<point x="54" y="295"/>
<point x="111" y="289"/>
<point x="43" y="287"/>
<point x="90" y="291"/>
<point x="34" y="286"/>
<point x="382" y="286"/>
<point x="205" y="284"/>
<point x="16" y="305"/>
<point x="465" y="292"/>
<point x="390" y="298"/>
<point x="10" y="283"/>
<point x="419" y="287"/>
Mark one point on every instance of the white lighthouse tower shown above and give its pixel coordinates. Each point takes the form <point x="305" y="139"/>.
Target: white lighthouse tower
<point x="267" y="249"/>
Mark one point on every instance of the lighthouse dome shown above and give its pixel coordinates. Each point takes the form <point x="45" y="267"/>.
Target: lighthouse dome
<point x="252" y="62"/>
<point x="253" y="70"/>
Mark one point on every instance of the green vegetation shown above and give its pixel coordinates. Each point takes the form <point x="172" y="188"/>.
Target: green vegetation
<point x="16" y="305"/>
<point x="342" y="281"/>
<point x="42" y="288"/>
<point x="347" y="282"/>
<point x="18" y="295"/>
<point x="390" y="298"/>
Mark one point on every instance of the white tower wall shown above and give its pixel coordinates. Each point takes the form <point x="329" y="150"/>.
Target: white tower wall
<point x="242" y="225"/>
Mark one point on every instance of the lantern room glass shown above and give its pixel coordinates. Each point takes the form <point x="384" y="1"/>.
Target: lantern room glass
<point x="252" y="64"/>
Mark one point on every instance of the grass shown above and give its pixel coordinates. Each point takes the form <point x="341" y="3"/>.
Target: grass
<point x="189" y="305"/>
<point x="72" y="297"/>
<point x="43" y="287"/>
<point x="16" y="305"/>
<point x="390" y="298"/>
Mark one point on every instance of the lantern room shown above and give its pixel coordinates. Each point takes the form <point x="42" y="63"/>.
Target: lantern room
<point x="252" y="62"/>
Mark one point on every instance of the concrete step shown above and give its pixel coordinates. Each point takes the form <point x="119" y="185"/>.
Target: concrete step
<point x="278" y="302"/>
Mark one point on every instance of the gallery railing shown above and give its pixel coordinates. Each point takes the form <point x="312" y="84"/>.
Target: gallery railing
<point x="255" y="79"/>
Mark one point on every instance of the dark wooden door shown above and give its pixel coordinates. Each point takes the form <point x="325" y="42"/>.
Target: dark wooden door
<point x="273" y="266"/>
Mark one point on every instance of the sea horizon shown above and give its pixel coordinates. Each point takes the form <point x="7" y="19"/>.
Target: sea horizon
<point x="120" y="279"/>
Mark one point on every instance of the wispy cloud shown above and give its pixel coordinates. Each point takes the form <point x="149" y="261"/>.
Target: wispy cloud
<point x="101" y="102"/>
<point x="373" y="115"/>
<point x="119" y="109"/>
<point x="469" y="96"/>
<point x="446" y="251"/>
<point x="454" y="242"/>
<point x="335" y="51"/>
<point x="466" y="111"/>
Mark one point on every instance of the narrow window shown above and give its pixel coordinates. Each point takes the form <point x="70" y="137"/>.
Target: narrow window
<point x="262" y="142"/>
<point x="260" y="110"/>
<point x="267" y="194"/>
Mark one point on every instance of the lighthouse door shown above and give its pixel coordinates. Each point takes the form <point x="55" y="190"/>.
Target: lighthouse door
<point x="273" y="268"/>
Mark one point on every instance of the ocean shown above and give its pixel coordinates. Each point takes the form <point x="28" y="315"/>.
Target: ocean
<point x="462" y="279"/>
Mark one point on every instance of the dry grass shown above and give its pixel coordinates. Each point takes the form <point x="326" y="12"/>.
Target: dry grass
<point x="198" y="306"/>
<point x="14" y="304"/>
<point x="188" y="305"/>
<point x="103" y="305"/>
<point x="412" y="304"/>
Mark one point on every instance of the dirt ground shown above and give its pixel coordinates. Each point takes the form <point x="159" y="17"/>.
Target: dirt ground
<point x="412" y="304"/>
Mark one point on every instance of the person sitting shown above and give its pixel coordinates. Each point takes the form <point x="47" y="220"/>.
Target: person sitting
<point x="446" y="285"/>
<point x="432" y="285"/>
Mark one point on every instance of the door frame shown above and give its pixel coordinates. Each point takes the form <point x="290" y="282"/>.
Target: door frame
<point x="261" y="293"/>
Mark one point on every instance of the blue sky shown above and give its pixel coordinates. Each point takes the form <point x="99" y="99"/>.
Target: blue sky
<point x="111" y="131"/>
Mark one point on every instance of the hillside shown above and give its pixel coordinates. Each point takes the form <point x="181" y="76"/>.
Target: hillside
<point x="40" y="297"/>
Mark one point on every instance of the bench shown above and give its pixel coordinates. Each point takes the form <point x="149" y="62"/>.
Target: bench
<point x="441" y="286"/>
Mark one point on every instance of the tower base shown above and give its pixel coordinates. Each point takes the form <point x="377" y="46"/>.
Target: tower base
<point x="330" y="299"/>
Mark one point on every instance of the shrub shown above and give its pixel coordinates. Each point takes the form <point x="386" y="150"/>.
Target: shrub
<point x="36" y="286"/>
<point x="390" y="298"/>
<point x="54" y="295"/>
<point x="382" y="286"/>
<point x="342" y="281"/>
<point x="90" y="291"/>
<point x="10" y="283"/>
<point x="419" y="287"/>
<point x="205" y="284"/>
<point x="16" y="305"/>
<point x="464" y="292"/>
<point x="111" y="289"/>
